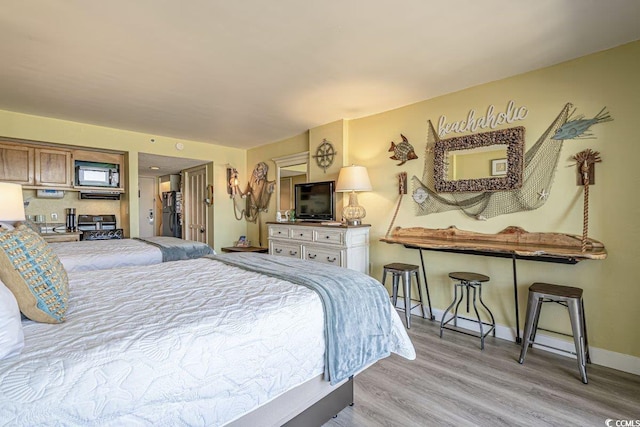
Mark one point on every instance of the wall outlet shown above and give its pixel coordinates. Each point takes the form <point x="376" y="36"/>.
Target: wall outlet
<point x="54" y="216"/>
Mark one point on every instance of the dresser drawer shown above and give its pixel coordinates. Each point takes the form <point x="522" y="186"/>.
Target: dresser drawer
<point x="302" y="233"/>
<point x="285" y="249"/>
<point x="278" y="232"/>
<point x="326" y="256"/>
<point x="335" y="237"/>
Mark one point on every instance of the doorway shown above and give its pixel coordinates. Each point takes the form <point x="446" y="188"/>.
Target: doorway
<point x="155" y="166"/>
<point x="197" y="201"/>
<point x="147" y="194"/>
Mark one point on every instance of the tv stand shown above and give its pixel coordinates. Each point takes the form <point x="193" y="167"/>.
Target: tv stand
<point x="345" y="246"/>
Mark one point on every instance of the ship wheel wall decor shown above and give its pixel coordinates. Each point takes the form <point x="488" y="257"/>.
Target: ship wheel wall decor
<point x="325" y="154"/>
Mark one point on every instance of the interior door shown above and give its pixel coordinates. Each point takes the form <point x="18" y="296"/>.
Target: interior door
<point x="147" y="202"/>
<point x="195" y="207"/>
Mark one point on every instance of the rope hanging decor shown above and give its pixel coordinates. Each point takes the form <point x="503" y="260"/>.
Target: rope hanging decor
<point x="402" y="189"/>
<point x="585" y="161"/>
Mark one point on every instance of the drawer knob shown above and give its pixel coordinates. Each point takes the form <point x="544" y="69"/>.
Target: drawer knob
<point x="301" y="234"/>
<point x="311" y="256"/>
<point x="278" y="251"/>
<point x="331" y="259"/>
<point x="293" y="252"/>
<point x="327" y="237"/>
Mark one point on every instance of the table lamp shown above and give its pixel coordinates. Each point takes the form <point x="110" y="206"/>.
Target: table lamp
<point x="11" y="204"/>
<point x="353" y="178"/>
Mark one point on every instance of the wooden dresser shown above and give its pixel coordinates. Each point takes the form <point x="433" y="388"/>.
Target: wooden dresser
<point x="344" y="246"/>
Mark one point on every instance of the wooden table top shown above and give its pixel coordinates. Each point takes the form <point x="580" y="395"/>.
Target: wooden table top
<point x="510" y="241"/>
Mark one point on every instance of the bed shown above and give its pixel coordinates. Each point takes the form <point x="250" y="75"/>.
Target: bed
<point x="208" y="341"/>
<point x="105" y="254"/>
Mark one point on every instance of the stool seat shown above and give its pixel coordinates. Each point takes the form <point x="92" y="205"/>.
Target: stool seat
<point x="571" y="298"/>
<point x="403" y="271"/>
<point x="556" y="290"/>
<point x="468" y="277"/>
<point x="398" y="266"/>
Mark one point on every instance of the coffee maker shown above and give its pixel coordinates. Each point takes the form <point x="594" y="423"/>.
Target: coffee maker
<point x="72" y="225"/>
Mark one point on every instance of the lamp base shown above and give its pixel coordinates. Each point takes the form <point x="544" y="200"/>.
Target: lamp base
<point x="353" y="213"/>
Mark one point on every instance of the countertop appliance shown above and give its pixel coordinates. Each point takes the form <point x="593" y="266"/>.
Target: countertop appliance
<point x="172" y="214"/>
<point x="93" y="174"/>
<point x="99" y="227"/>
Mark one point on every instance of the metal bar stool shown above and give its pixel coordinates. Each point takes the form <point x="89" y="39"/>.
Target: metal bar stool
<point x="468" y="282"/>
<point x="569" y="297"/>
<point x="405" y="271"/>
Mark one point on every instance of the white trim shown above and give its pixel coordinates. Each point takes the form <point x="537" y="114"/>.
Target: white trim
<point x="599" y="356"/>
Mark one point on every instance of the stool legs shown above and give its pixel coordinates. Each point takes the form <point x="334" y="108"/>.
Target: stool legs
<point x="424" y="312"/>
<point x="477" y="295"/>
<point x="578" y="327"/>
<point x="394" y="291"/>
<point x="576" y="316"/>
<point x="405" y="271"/>
<point x="533" y="311"/>
<point x="444" y="315"/>
<point x="406" y="284"/>
<point x="493" y="320"/>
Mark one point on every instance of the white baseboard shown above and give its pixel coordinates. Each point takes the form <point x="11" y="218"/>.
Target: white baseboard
<point x="599" y="356"/>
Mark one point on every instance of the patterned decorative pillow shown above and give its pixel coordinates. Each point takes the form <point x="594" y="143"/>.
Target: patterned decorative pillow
<point x="32" y="225"/>
<point x="35" y="275"/>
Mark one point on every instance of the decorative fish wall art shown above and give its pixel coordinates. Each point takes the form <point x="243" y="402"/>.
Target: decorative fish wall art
<point x="402" y="151"/>
<point x="578" y="127"/>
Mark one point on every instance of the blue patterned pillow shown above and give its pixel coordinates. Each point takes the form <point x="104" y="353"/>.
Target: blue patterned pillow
<point x="35" y="275"/>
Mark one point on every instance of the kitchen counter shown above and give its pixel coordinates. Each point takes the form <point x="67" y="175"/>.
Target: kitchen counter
<point x="61" y="237"/>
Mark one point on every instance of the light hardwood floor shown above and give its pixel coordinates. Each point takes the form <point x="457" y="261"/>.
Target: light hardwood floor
<point x="452" y="382"/>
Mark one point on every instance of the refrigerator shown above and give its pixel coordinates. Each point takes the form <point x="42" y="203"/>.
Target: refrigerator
<point x="172" y="214"/>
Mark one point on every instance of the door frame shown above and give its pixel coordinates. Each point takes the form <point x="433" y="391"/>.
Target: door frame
<point x="156" y="223"/>
<point x="208" y="214"/>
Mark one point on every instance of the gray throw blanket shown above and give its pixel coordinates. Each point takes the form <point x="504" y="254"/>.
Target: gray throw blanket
<point x="174" y="249"/>
<point x="356" y="307"/>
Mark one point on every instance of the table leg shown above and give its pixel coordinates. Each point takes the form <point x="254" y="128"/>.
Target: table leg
<point x="426" y="286"/>
<point x="515" y="294"/>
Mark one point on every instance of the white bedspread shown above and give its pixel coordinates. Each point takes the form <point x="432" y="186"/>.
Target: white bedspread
<point x="104" y="254"/>
<point x="199" y="344"/>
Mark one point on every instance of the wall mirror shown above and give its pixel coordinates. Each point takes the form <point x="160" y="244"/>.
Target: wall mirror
<point x="290" y="170"/>
<point x="488" y="161"/>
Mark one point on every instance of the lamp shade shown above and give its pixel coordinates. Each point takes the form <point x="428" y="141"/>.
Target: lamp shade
<point x="353" y="178"/>
<point x="11" y="202"/>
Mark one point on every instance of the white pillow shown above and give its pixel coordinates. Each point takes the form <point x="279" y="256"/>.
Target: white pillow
<point x="11" y="336"/>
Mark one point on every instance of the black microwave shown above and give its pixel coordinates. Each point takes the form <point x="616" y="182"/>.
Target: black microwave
<point x="89" y="174"/>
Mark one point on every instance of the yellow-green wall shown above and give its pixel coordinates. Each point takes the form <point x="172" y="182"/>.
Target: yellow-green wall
<point x="611" y="289"/>
<point x="226" y="228"/>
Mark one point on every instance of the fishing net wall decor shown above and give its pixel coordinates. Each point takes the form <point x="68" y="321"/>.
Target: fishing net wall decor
<point x="540" y="163"/>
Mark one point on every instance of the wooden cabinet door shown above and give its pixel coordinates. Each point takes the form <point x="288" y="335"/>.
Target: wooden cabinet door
<point x="53" y="167"/>
<point x="16" y="163"/>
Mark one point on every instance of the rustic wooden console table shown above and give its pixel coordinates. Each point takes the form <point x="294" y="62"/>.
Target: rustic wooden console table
<point x="512" y="242"/>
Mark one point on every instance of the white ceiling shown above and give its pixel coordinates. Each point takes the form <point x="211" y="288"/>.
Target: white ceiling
<point x="246" y="73"/>
<point x="165" y="165"/>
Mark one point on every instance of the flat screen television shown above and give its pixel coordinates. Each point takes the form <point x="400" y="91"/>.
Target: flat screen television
<point x="315" y="201"/>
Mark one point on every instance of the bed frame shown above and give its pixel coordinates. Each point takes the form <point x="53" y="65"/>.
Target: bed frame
<point x="312" y="403"/>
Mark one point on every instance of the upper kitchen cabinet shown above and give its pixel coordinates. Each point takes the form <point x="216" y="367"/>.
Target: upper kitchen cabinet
<point x="40" y="165"/>
<point x="16" y="163"/>
<point x="53" y="168"/>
